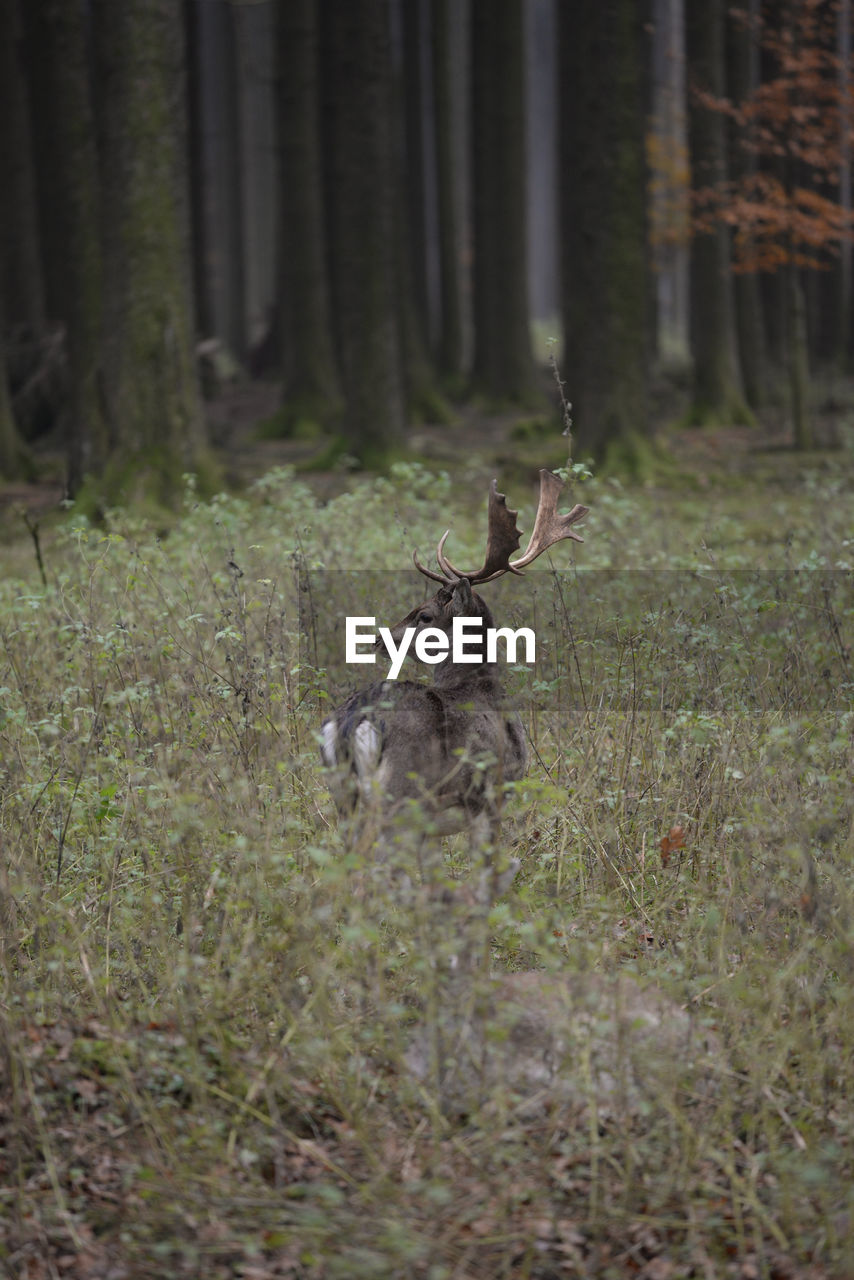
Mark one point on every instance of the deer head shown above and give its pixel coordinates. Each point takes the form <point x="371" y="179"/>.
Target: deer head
<point x="455" y="597"/>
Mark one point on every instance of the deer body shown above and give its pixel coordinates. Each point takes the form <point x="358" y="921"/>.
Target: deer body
<point x="450" y="747"/>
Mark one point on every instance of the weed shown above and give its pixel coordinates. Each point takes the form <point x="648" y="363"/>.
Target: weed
<point x="203" y="1031"/>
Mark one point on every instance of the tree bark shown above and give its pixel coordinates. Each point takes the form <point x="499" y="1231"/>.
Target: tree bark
<point x="415" y="199"/>
<point x="669" y="180"/>
<point x="445" y="125"/>
<point x="503" y="361"/>
<point x="149" y="377"/>
<point x="13" y="455"/>
<point x="743" y="63"/>
<point x="311" y="387"/>
<point x="257" y="57"/>
<point x="361" y="191"/>
<point x="21" y="278"/>
<point x="605" y="284"/>
<point x="843" y="328"/>
<point x="798" y="362"/>
<point x="214" y="117"/>
<point x="422" y="395"/>
<point x="717" y="392"/>
<point x="69" y="205"/>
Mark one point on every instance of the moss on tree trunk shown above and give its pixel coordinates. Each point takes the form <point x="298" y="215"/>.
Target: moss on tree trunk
<point x="605" y="286"/>
<point x="149" y="377"/>
<point x="361" y="193"/>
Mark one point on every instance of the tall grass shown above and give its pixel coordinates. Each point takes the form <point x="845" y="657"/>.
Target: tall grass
<point x="203" y="1033"/>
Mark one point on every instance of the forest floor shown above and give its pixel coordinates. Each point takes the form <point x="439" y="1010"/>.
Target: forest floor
<point x="479" y="441"/>
<point x="208" y="1041"/>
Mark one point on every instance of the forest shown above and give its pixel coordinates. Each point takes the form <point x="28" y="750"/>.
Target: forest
<point x="287" y="289"/>
<point x="385" y="209"/>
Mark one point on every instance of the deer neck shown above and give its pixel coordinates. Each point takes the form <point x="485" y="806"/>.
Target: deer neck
<point x="481" y="676"/>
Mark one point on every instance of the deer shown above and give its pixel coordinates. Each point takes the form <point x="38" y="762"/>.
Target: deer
<point x="447" y="748"/>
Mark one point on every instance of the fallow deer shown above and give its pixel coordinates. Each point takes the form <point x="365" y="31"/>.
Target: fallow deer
<point x="446" y="748"/>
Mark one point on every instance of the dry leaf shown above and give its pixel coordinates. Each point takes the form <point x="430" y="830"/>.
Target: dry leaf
<point x="675" y="839"/>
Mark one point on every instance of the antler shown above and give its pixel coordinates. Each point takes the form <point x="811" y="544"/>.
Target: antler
<point x="503" y="536"/>
<point x="549" y="526"/>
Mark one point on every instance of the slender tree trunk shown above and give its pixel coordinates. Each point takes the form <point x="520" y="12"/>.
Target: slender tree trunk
<point x="541" y="73"/>
<point x="149" y="376"/>
<point x="503" y="360"/>
<point x="772" y="293"/>
<point x="422" y="395"/>
<point x="798" y="362"/>
<point x="311" y="389"/>
<point x="796" y="309"/>
<point x="203" y="307"/>
<point x="415" y="198"/>
<point x="217" y="207"/>
<point x="603" y="221"/>
<point x="362" y="192"/>
<point x="13" y="455"/>
<point x="64" y="134"/>
<point x="450" y="344"/>
<point x="717" y="381"/>
<point x="743" y="63"/>
<point x="844" y="318"/>
<point x="21" y="276"/>
<point x="669" y="195"/>
<point x="258" y="66"/>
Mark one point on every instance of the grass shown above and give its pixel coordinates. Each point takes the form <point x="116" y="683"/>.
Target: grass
<point x="203" y="1033"/>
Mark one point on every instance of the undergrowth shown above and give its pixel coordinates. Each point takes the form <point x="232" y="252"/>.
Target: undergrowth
<point x="202" y="1033"/>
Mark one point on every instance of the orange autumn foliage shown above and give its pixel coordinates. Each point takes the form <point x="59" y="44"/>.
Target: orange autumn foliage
<point x="797" y="128"/>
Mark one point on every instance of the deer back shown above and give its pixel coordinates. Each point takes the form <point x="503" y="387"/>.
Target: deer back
<point x="448" y="746"/>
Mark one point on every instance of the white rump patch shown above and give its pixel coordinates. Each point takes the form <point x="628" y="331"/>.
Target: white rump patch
<point x="329" y="743"/>
<point x="367" y="746"/>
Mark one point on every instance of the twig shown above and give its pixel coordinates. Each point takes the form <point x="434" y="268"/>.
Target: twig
<point x="34" y="534"/>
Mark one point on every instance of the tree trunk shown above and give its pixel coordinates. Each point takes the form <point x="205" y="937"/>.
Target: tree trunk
<point x="541" y="146"/>
<point x="503" y="360"/>
<point x="21" y="278"/>
<point x="717" y="382"/>
<point x="669" y="186"/>
<point x="422" y="395"/>
<point x="149" y="377"/>
<point x="13" y="455"/>
<point x="414" y="204"/>
<point x="64" y="134"/>
<point x="743" y="63"/>
<point x="798" y="359"/>
<point x="361" y="191"/>
<point x="603" y="221"/>
<point x="445" y="126"/>
<point x="311" y="390"/>
<point x="257" y="55"/>
<point x="217" y="173"/>
<point x="843" y="327"/>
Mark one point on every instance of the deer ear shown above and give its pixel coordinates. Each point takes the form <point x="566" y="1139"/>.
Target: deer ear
<point x="462" y="603"/>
